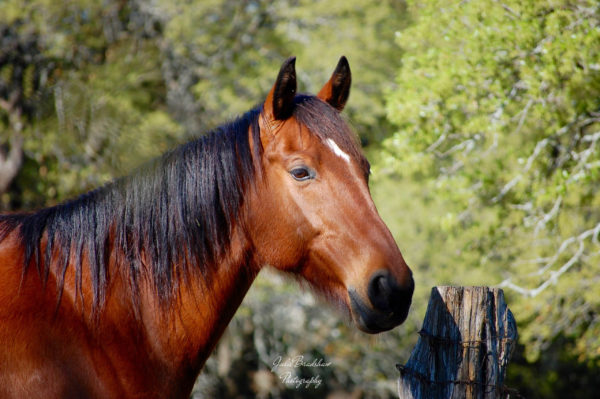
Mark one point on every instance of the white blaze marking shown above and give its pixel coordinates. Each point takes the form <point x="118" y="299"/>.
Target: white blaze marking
<point x="337" y="150"/>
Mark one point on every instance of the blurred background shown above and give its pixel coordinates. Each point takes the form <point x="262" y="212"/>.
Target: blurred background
<point x="481" y="120"/>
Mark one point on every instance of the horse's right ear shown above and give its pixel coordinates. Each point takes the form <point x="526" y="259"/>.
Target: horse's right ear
<point x="337" y="89"/>
<point x="280" y="102"/>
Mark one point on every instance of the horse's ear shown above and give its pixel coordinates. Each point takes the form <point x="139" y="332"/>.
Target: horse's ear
<point x="280" y="101"/>
<point x="336" y="91"/>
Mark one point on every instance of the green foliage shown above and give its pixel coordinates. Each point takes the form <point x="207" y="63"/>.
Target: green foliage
<point x="497" y="114"/>
<point x="225" y="52"/>
<point x="559" y="373"/>
<point x="98" y="109"/>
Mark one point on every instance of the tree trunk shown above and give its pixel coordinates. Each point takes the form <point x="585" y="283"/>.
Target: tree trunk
<point x="11" y="154"/>
<point x="10" y="163"/>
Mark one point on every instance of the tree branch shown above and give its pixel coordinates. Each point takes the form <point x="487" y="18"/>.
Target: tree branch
<point x="554" y="275"/>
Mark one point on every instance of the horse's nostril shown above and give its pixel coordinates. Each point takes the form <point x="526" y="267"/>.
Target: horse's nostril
<point x="384" y="285"/>
<point x="389" y="302"/>
<point x="379" y="290"/>
<point x="386" y="294"/>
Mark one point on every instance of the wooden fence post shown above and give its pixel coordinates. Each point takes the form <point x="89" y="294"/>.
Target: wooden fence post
<point x="466" y="341"/>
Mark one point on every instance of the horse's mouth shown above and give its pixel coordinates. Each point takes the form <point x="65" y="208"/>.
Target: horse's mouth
<point x="373" y="321"/>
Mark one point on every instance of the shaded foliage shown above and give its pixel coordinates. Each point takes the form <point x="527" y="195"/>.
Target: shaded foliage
<point x="558" y="372"/>
<point x="95" y="87"/>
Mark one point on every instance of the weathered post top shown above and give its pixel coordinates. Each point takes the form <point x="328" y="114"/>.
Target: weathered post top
<point x="466" y="341"/>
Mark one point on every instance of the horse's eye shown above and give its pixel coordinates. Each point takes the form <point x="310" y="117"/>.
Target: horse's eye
<point x="302" y="173"/>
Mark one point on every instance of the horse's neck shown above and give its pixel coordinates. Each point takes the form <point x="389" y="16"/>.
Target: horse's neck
<point x="186" y="334"/>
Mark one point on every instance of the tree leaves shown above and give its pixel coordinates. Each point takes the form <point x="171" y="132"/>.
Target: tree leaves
<point x="497" y="109"/>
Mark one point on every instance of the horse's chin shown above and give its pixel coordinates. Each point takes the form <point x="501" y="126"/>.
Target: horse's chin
<point x="372" y="321"/>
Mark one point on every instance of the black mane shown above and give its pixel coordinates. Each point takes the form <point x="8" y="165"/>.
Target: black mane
<point x="179" y="209"/>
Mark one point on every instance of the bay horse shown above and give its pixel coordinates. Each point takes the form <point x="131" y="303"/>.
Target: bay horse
<point x="124" y="291"/>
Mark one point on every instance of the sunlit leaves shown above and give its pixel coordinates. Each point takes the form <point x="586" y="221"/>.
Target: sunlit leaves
<point x="497" y="108"/>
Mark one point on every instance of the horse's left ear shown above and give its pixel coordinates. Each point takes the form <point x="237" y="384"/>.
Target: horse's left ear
<point x="336" y="91"/>
<point x="280" y="101"/>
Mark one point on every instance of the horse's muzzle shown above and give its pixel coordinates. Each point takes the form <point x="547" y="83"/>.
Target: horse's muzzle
<point x="389" y="303"/>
